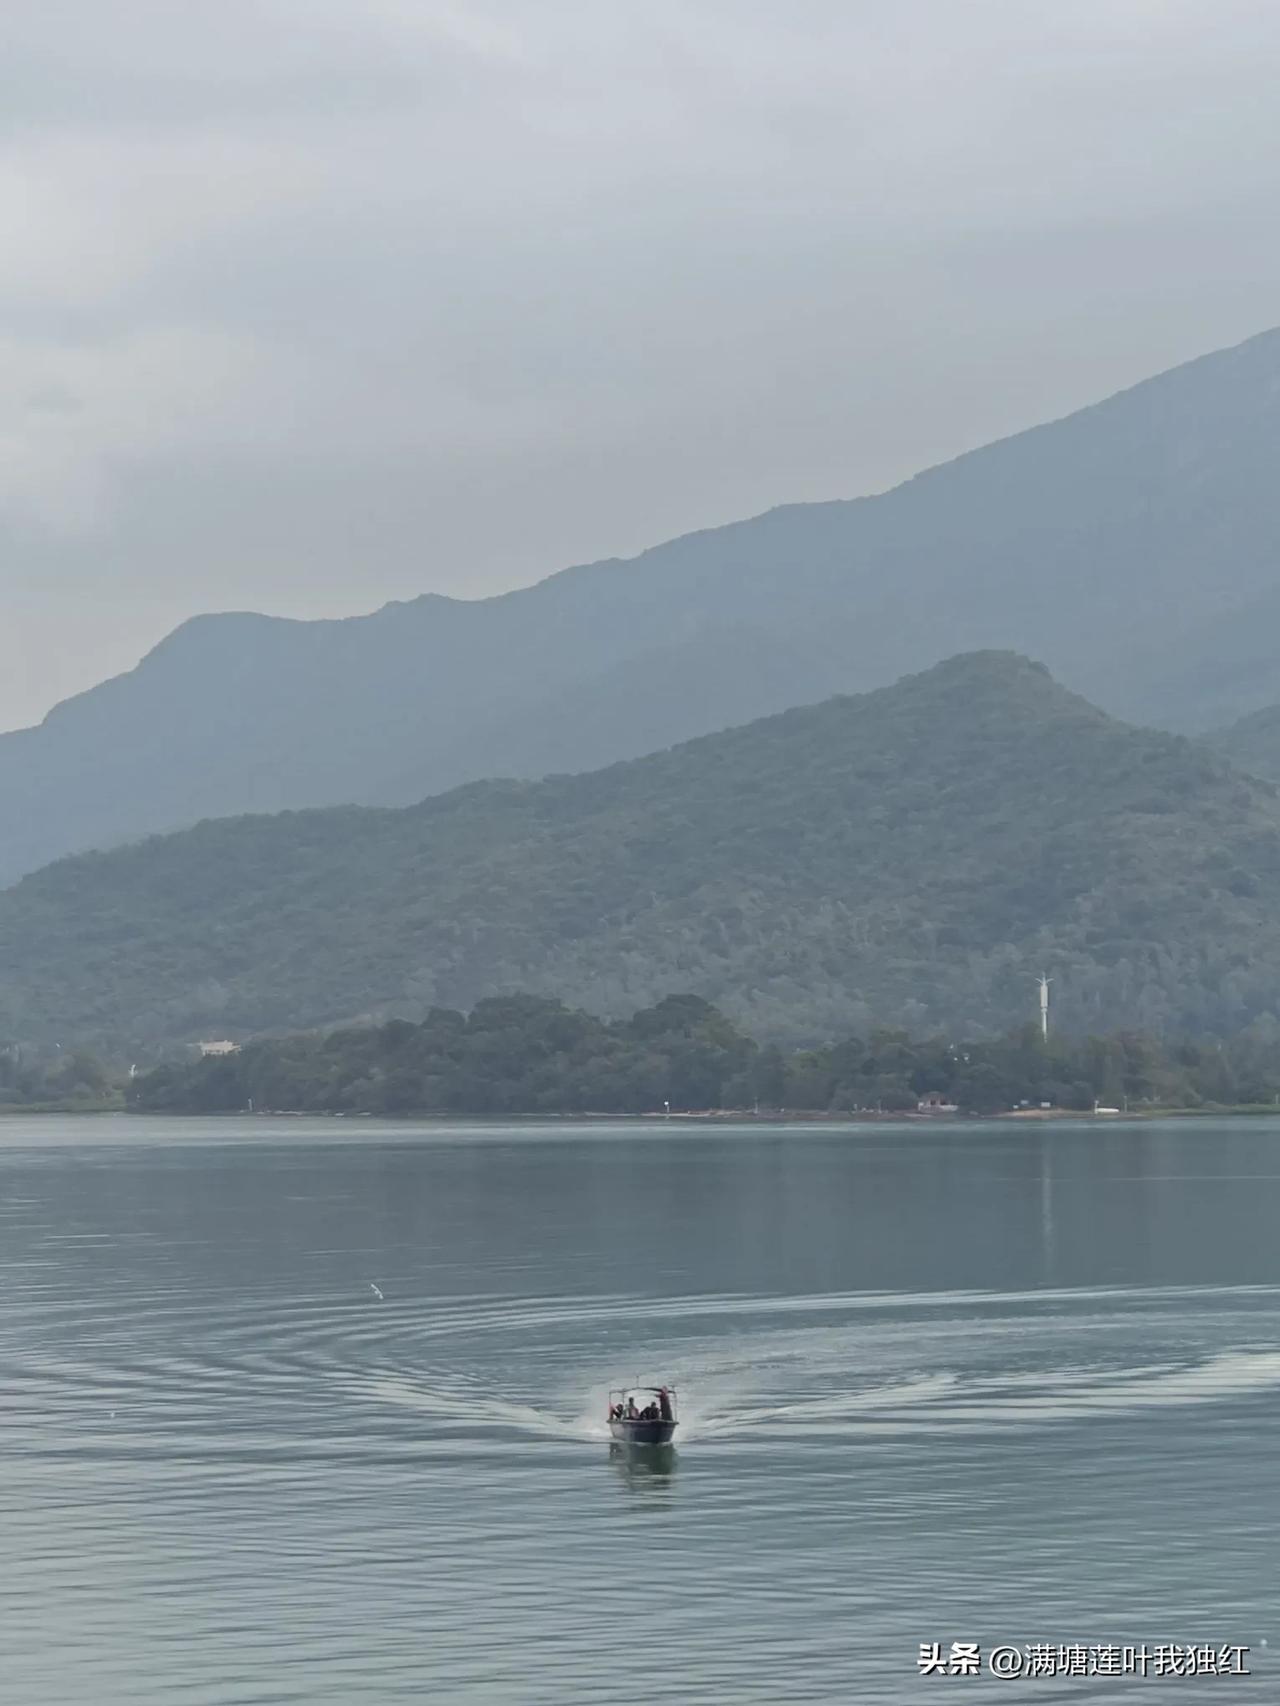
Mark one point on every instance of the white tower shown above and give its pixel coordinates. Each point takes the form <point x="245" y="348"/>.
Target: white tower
<point x="1044" y="983"/>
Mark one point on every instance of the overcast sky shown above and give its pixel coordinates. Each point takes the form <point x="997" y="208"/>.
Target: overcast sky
<point x="309" y="304"/>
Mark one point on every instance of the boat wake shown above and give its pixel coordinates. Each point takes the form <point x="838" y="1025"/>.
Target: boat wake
<point x="970" y="1363"/>
<point x="471" y="1373"/>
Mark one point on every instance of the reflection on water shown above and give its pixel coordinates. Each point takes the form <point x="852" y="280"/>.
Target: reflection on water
<point x="292" y="1417"/>
<point x="645" y="1468"/>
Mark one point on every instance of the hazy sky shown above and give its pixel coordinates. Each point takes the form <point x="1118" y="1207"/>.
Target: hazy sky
<point x="308" y="304"/>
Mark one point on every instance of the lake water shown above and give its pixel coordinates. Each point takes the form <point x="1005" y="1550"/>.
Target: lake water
<point x="982" y="1383"/>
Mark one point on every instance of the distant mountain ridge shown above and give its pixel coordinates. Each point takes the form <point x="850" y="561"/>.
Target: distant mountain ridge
<point x="1133" y="546"/>
<point x="912" y="856"/>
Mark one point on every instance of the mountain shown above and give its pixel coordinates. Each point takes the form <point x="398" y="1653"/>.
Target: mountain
<point x="1133" y="546"/>
<point x="910" y="856"/>
<point x="1251" y="743"/>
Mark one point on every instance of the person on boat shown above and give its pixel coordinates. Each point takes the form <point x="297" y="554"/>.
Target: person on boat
<point x="631" y="1409"/>
<point x="664" y="1403"/>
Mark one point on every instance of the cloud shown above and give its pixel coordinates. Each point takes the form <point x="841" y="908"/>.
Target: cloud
<point x="309" y="303"/>
<point x="75" y="415"/>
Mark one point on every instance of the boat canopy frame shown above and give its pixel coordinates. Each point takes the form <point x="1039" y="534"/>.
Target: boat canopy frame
<point x="619" y="1394"/>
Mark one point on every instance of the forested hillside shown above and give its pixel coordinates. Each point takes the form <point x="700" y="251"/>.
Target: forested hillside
<point x="1252" y="743"/>
<point x="1132" y="546"/>
<point x="909" y="857"/>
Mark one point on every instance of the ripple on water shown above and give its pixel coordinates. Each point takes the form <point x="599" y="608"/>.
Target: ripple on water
<point x="234" y="1473"/>
<point x="333" y="1375"/>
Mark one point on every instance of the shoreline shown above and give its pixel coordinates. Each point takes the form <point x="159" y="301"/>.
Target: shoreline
<point x="685" y="1117"/>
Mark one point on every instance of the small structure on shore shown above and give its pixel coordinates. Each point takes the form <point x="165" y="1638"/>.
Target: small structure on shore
<point x="1044" y="983"/>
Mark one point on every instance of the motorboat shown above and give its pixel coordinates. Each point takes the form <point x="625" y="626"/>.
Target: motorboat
<point x="643" y="1415"/>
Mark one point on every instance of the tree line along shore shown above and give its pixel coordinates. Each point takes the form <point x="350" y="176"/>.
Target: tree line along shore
<point x="531" y="1055"/>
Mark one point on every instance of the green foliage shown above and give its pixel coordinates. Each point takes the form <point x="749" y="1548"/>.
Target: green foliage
<point x="528" y="1054"/>
<point x="519" y="1054"/>
<point x="917" y="854"/>
<point x="55" y="1078"/>
<point x="1253" y="744"/>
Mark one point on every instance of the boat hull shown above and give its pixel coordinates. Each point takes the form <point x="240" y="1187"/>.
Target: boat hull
<point x="643" y="1433"/>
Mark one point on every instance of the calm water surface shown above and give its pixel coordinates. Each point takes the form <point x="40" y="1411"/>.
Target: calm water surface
<point x="993" y="1384"/>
